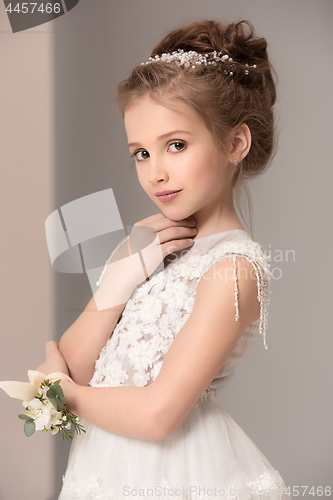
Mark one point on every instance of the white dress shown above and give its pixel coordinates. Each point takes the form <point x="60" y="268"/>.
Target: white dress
<point x="209" y="455"/>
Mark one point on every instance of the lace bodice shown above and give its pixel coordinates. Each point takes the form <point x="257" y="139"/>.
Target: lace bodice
<point x="159" y="308"/>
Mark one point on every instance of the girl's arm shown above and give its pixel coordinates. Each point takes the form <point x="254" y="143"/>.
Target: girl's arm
<point x="81" y="344"/>
<point x="193" y="360"/>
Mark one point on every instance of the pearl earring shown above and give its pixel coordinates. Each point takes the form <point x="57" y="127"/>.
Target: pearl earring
<point x="236" y="162"/>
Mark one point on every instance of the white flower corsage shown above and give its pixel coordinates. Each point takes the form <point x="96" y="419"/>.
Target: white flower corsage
<point x="44" y="403"/>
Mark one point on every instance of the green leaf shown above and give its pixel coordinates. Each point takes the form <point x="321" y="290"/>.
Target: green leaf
<point x="24" y="417"/>
<point x="59" y="392"/>
<point x="54" y="402"/>
<point x="29" y="427"/>
<point x="60" y="404"/>
<point x="51" y="394"/>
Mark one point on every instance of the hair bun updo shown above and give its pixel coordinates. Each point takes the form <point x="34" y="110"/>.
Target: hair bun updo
<point x="236" y="40"/>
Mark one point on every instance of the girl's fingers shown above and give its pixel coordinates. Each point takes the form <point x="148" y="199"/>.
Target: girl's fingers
<point x="161" y="223"/>
<point x="175" y="245"/>
<point x="177" y="233"/>
<point x="50" y="346"/>
<point x="173" y="235"/>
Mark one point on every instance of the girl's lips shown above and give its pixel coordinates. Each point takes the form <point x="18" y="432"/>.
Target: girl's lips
<point x="168" y="197"/>
<point x="167" y="191"/>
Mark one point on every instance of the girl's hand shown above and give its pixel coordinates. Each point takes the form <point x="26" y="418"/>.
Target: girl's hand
<point x="167" y="236"/>
<point x="55" y="361"/>
<point x="150" y="241"/>
<point x="173" y="235"/>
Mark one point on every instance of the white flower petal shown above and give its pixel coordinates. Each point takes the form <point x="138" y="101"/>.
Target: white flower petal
<point x="35" y="377"/>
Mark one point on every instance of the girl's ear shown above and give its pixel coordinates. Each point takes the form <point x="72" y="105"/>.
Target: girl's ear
<point x="240" y="140"/>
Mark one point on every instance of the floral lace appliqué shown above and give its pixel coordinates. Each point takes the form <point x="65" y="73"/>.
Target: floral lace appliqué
<point x="159" y="308"/>
<point x="250" y="489"/>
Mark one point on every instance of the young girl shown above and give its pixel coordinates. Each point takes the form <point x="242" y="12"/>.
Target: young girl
<point x="149" y="365"/>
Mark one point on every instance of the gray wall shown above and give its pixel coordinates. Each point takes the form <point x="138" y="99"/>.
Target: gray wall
<point x="281" y="397"/>
<point x="27" y="278"/>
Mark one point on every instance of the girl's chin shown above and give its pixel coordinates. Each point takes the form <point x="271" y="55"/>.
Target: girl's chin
<point x="176" y="218"/>
<point x="174" y="213"/>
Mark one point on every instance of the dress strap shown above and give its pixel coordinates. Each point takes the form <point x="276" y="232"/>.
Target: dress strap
<point x="252" y="252"/>
<point x="108" y="260"/>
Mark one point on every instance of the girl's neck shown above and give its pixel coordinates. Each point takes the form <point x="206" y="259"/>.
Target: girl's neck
<point x="207" y="228"/>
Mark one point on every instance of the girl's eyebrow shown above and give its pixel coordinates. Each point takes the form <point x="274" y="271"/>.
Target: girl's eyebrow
<point x="164" y="136"/>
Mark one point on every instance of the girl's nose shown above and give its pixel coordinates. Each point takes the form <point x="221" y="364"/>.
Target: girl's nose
<point x="157" y="171"/>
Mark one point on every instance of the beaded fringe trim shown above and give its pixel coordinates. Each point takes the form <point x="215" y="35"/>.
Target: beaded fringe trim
<point x="263" y="291"/>
<point x="236" y="288"/>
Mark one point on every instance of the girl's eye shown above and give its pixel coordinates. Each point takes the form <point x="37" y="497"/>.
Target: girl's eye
<point x="138" y="153"/>
<point x="178" y="145"/>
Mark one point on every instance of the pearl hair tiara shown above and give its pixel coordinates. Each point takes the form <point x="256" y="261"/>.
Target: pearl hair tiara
<point x="191" y="58"/>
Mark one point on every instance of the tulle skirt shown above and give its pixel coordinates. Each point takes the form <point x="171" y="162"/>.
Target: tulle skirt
<point x="208" y="457"/>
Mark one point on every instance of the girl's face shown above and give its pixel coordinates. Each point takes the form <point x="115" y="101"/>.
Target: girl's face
<point x="174" y="151"/>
